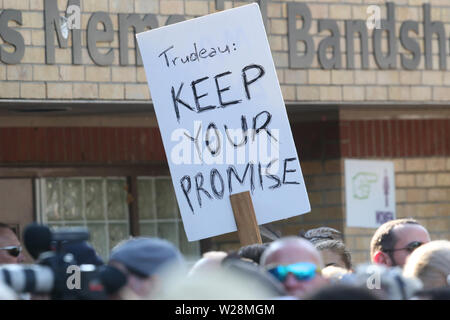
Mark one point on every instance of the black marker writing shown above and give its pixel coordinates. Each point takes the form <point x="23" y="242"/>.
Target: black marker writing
<point x="189" y="100"/>
<point x="286" y="171"/>
<point x="218" y="194"/>
<point x="194" y="55"/>
<point x="216" y="181"/>
<point x="199" y="186"/>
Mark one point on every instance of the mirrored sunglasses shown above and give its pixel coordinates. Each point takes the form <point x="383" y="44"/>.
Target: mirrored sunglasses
<point x="301" y="270"/>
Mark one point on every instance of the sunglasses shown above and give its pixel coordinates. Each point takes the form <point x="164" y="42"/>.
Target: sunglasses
<point x="410" y="247"/>
<point x="13" y="250"/>
<point x="301" y="270"/>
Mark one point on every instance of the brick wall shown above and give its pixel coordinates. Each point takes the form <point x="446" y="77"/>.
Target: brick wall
<point x="420" y="150"/>
<point x="372" y="84"/>
<point x="80" y="145"/>
<point x="422" y="192"/>
<point x="33" y="79"/>
<point x="422" y="169"/>
<point x="422" y="166"/>
<point x="395" y="138"/>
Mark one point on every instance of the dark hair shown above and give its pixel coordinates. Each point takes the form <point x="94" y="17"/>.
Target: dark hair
<point x="337" y="247"/>
<point x="321" y="234"/>
<point x="342" y="292"/>
<point x="252" y="251"/>
<point x="384" y="238"/>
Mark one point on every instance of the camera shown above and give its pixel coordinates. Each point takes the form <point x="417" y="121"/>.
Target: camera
<point x="56" y="271"/>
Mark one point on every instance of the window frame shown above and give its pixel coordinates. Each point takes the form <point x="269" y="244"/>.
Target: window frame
<point x="131" y="172"/>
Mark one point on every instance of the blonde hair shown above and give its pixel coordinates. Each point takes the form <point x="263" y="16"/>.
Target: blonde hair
<point x="430" y="263"/>
<point x="334" y="273"/>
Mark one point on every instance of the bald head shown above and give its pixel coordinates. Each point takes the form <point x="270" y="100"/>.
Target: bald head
<point x="210" y="262"/>
<point x="291" y="250"/>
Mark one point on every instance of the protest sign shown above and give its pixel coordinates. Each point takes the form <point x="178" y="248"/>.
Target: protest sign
<point x="370" y="192"/>
<point x="223" y="120"/>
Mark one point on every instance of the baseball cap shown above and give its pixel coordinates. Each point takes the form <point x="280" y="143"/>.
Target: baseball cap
<point x="145" y="256"/>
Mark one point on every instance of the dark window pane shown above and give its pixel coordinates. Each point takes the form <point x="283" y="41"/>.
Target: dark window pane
<point x="146" y="199"/>
<point x="166" y="207"/>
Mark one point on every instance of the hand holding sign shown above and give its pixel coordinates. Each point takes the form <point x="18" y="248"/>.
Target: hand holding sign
<point x="223" y="120"/>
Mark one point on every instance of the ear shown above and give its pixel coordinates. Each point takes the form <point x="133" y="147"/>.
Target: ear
<point x="381" y="258"/>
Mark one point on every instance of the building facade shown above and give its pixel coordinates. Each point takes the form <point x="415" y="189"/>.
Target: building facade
<point x="80" y="145"/>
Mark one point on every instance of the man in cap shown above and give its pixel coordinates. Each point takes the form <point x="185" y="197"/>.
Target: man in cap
<point x="144" y="260"/>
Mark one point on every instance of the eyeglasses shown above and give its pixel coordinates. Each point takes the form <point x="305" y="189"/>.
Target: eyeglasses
<point x="410" y="247"/>
<point x="302" y="271"/>
<point x="13" y="250"/>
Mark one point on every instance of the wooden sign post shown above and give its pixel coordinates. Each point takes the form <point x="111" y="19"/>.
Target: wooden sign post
<point x="244" y="214"/>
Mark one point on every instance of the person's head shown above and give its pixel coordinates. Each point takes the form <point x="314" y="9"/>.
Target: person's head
<point x="395" y="240"/>
<point x="431" y="264"/>
<point x="334" y="253"/>
<point x="144" y="261"/>
<point x="254" y="273"/>
<point x="239" y="281"/>
<point x="252" y="251"/>
<point x="321" y="234"/>
<point x="10" y="248"/>
<point x="210" y="261"/>
<point x="296" y="263"/>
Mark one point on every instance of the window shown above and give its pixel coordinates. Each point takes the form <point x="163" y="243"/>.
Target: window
<point x="159" y="214"/>
<point x="100" y="204"/>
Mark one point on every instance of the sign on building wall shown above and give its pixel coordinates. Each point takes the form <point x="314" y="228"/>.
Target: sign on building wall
<point x="329" y="52"/>
<point x="223" y="120"/>
<point x="370" y="192"/>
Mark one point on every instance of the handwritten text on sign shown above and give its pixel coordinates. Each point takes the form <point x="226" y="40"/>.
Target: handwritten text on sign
<point x="222" y="119"/>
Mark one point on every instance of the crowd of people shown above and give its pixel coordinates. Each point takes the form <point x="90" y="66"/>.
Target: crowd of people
<point x="315" y="265"/>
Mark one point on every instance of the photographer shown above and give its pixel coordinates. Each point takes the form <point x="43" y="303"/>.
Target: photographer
<point x="66" y="268"/>
<point x="10" y="248"/>
<point x="145" y="261"/>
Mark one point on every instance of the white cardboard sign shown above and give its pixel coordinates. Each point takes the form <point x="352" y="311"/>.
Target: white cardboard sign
<point x="223" y="120"/>
<point x="369" y="192"/>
